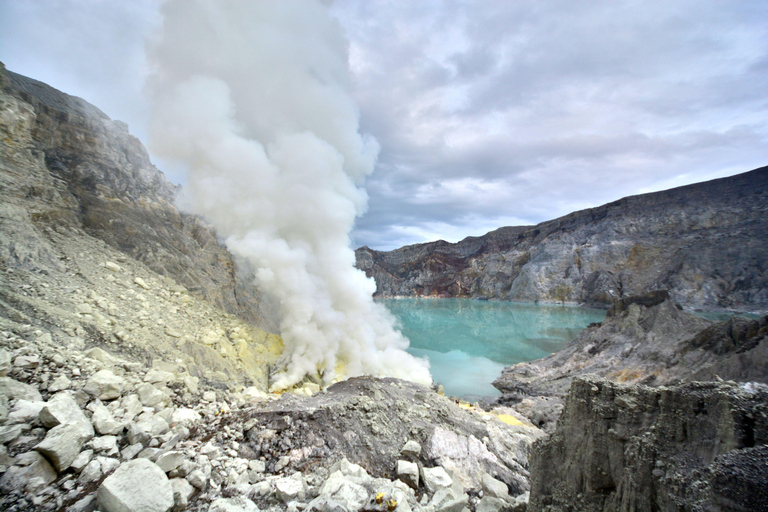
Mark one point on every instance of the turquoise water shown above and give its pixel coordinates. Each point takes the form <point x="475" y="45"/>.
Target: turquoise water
<point x="469" y="342"/>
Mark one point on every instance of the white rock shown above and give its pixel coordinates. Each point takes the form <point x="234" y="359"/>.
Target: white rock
<point x="140" y="282"/>
<point x="137" y="485"/>
<point x="104" y="385"/>
<point x="236" y="504"/>
<point x="105" y="444"/>
<point x="494" y="488"/>
<point x="91" y="472"/>
<point x="60" y="383"/>
<point x="9" y="433"/>
<point x="108" y="464"/>
<point x="339" y="488"/>
<point x="170" y="460"/>
<point x="411" y="449"/>
<point x="408" y="472"/>
<point x="82" y="460"/>
<point x="184" y="416"/>
<point x="62" y="444"/>
<point x="99" y="354"/>
<point x="182" y="491"/>
<point x="191" y="383"/>
<point x="25" y="411"/>
<point x="132" y="406"/>
<point x="349" y="469"/>
<point x="35" y="473"/>
<point x="209" y="396"/>
<point x="197" y="479"/>
<point x="62" y="408"/>
<point x="436" y="478"/>
<point x="14" y="389"/>
<point x="131" y="451"/>
<point x="114" y="267"/>
<point x="28" y="362"/>
<point x="491" y="504"/>
<point x="149" y="395"/>
<point x="153" y="424"/>
<point x="104" y="422"/>
<point x="290" y="488"/>
<point x="154" y="376"/>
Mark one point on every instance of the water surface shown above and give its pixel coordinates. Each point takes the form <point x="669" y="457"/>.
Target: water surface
<point x="469" y="342"/>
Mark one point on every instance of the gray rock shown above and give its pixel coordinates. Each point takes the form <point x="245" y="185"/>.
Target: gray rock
<point x="105" y="385"/>
<point x="27" y="362"/>
<point x="5" y="362"/>
<point x="408" y="472"/>
<point x="35" y="473"/>
<point x="131" y="451"/>
<point x="494" y="488"/>
<point x="182" y="492"/>
<point x="84" y="505"/>
<point x="62" y="444"/>
<point x="105" y="444"/>
<point x="137" y="485"/>
<point x="16" y="390"/>
<point x="339" y="488"/>
<point x="491" y="504"/>
<point x="9" y="432"/>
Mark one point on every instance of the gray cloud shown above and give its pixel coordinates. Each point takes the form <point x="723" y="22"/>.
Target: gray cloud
<point x="488" y="113"/>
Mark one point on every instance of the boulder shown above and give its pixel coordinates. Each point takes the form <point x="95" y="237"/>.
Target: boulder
<point x="236" y="504"/>
<point x="182" y="491"/>
<point x="495" y="488"/>
<point x="105" y="385"/>
<point x="62" y="408"/>
<point x="62" y="444"/>
<point x="104" y="422"/>
<point x="170" y="460"/>
<point x="149" y="395"/>
<point x="32" y="472"/>
<point x="137" y="485"/>
<point x="16" y="390"/>
<point x="25" y="411"/>
<point x="436" y="478"/>
<point x="408" y="472"/>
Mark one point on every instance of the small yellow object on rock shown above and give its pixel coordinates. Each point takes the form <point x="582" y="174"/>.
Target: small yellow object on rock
<point x="379" y="498"/>
<point x="392" y="505"/>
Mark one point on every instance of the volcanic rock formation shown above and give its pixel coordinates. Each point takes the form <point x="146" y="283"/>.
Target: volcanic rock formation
<point x="705" y="243"/>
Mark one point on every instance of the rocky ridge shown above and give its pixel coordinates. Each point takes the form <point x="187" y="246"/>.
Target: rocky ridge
<point x="704" y="243"/>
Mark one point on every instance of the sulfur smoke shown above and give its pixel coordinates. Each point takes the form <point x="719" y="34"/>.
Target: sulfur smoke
<point x="252" y="98"/>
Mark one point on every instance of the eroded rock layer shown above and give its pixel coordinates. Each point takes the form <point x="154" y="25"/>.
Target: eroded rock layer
<point x="705" y="243"/>
<point x="693" y="447"/>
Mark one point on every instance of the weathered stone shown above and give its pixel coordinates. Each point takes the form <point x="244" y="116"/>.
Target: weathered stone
<point x="27" y="362"/>
<point x="9" y="432"/>
<point x="104" y="422"/>
<point x="236" y="504"/>
<point x="33" y="475"/>
<point x="436" y="478"/>
<point x="131" y="451"/>
<point x="182" y="492"/>
<point x="24" y="411"/>
<point x="149" y="395"/>
<point x="341" y="489"/>
<point x="290" y="488"/>
<point x="132" y="405"/>
<point x="408" y="472"/>
<point x="60" y="383"/>
<point x="491" y="504"/>
<point x="91" y="472"/>
<point x="197" y="479"/>
<point x="82" y="460"/>
<point x="104" y="385"/>
<point x="154" y="376"/>
<point x="137" y="485"/>
<point x="411" y="449"/>
<point x="494" y="488"/>
<point x="62" y="408"/>
<point x="184" y="416"/>
<point x="5" y="362"/>
<point x="170" y="460"/>
<point x="62" y="444"/>
<point x="16" y="390"/>
<point x="105" y="444"/>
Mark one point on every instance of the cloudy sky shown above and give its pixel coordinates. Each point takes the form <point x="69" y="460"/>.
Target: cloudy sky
<point x="488" y="113"/>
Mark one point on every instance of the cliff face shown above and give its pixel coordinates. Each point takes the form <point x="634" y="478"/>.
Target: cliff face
<point x="705" y="243"/>
<point x="66" y="164"/>
<point x="694" y="447"/>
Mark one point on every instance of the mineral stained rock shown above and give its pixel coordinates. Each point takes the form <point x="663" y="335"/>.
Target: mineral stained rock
<point x="705" y="243"/>
<point x="691" y="447"/>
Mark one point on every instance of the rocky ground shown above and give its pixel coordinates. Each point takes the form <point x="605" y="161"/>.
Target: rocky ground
<point x="86" y="429"/>
<point x="704" y="243"/>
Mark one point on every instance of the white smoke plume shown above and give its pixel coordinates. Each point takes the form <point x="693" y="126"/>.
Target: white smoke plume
<point x="252" y="98"/>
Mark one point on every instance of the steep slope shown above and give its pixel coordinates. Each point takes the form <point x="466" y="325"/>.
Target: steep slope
<point x="705" y="243"/>
<point x="66" y="164"/>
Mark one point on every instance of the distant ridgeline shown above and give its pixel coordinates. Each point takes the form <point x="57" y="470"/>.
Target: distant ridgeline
<point x="705" y="243"/>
